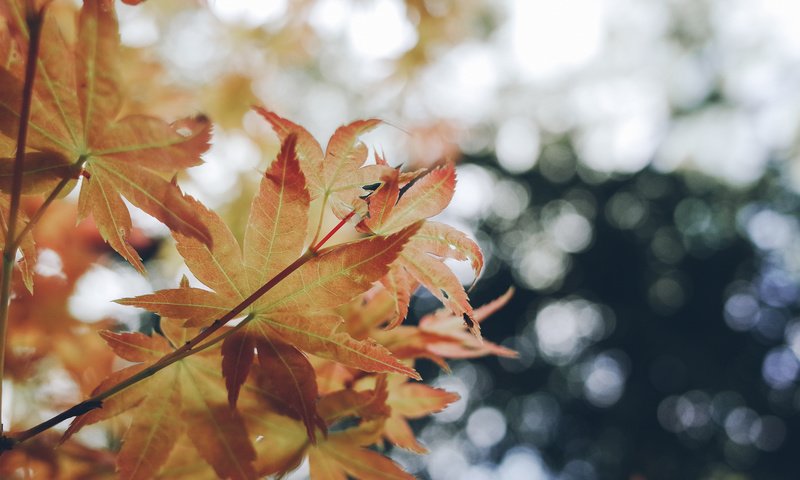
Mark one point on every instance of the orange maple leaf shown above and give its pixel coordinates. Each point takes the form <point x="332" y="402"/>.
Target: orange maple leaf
<point x="338" y="175"/>
<point x="341" y="454"/>
<point x="412" y="401"/>
<point x="398" y="202"/>
<point x="75" y="120"/>
<point x="189" y="397"/>
<point x="298" y="311"/>
<point x="441" y="335"/>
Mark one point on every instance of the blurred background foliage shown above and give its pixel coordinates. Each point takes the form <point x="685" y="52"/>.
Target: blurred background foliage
<point x="631" y="167"/>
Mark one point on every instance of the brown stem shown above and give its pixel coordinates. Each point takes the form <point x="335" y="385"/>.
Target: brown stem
<point x="40" y="211"/>
<point x="189" y="348"/>
<point x="34" y="21"/>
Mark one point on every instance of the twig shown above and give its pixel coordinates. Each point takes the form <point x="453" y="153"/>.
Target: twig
<point x="34" y="21"/>
<point x="40" y="211"/>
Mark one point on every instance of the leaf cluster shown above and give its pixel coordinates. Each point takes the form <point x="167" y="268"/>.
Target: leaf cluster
<point x="290" y="345"/>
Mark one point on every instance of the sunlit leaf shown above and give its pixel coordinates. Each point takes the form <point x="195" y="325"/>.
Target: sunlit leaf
<point x="74" y="113"/>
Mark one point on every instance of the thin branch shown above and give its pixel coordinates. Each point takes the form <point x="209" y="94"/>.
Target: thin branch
<point x="34" y="21"/>
<point x="189" y="348"/>
<point x="40" y="211"/>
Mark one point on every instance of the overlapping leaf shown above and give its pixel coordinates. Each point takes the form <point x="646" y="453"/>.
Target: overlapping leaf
<point x="441" y="335"/>
<point x="409" y="400"/>
<point x="402" y="401"/>
<point x="342" y="454"/>
<point x="423" y="260"/>
<point x="339" y="174"/>
<point x="75" y="116"/>
<point x="186" y="398"/>
<point x="424" y="197"/>
<point x="398" y="203"/>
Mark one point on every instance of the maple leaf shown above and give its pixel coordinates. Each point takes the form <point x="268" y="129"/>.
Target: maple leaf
<point x="284" y="376"/>
<point x="441" y="335"/>
<point x="298" y="310"/>
<point x="398" y="285"/>
<point x="460" y="344"/>
<point x="423" y="197"/>
<point x="187" y="398"/>
<point x="411" y="400"/>
<point x="398" y="202"/>
<point x="402" y="401"/>
<point x="75" y="115"/>
<point x="339" y="174"/>
<point x="423" y="260"/>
